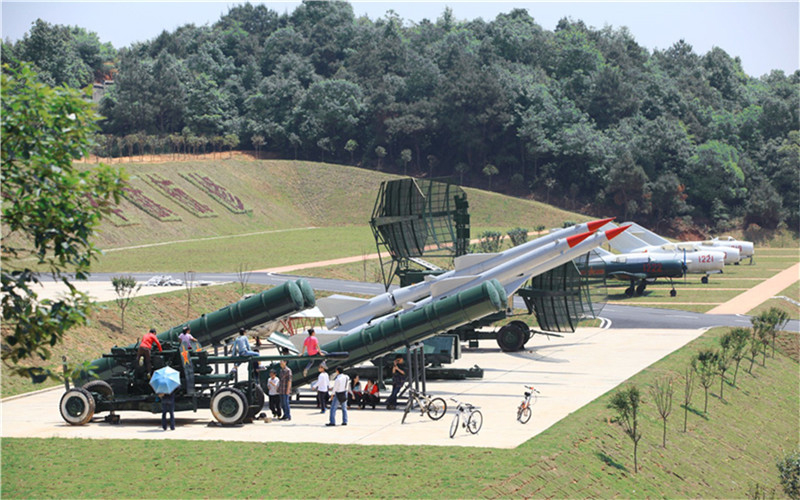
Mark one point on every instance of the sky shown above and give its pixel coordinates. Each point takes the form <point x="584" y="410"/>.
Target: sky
<point x="764" y="35"/>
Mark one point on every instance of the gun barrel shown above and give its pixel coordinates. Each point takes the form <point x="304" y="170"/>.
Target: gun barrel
<point x="213" y="328"/>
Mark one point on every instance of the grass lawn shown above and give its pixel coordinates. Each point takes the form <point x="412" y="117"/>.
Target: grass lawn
<point x="583" y="455"/>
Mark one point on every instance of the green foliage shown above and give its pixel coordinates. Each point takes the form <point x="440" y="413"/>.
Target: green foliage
<point x="626" y="402"/>
<point x="789" y="469"/>
<point x="50" y="206"/>
<point x="705" y="364"/>
<point x="490" y="241"/>
<point x="125" y="287"/>
<point x="518" y="236"/>
<point x="661" y="391"/>
<point x="736" y="339"/>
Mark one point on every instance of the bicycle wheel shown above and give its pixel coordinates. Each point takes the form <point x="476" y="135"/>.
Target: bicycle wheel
<point x="519" y="411"/>
<point x="454" y="426"/>
<point x="437" y="408"/>
<point x="407" y="410"/>
<point x="475" y="422"/>
<point x="525" y="415"/>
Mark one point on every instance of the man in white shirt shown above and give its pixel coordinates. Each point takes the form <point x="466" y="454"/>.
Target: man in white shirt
<point x="340" y="385"/>
<point x="322" y="388"/>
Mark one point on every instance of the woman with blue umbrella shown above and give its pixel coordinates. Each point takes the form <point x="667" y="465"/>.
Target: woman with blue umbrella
<point x="164" y="382"/>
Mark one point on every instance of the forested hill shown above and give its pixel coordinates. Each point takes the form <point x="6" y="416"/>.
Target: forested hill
<point x="580" y="116"/>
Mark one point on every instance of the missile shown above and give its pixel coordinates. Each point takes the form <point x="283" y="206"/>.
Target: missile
<point x="347" y="313"/>
<point x="408" y="327"/>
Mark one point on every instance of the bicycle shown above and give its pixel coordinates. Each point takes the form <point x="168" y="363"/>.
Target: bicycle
<point x="434" y="407"/>
<point x="470" y="417"/>
<point x="524" y="410"/>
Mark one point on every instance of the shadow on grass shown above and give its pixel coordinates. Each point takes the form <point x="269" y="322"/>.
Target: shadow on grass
<point x="610" y="461"/>
<point x="696" y="412"/>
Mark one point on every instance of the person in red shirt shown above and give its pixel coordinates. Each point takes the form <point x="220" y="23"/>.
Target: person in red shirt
<point x="311" y="346"/>
<point x="144" y="350"/>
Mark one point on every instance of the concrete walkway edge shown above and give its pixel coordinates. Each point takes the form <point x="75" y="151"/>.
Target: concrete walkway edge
<point x="760" y="293"/>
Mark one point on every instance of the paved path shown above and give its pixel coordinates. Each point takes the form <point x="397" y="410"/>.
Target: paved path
<point x="569" y="373"/>
<point x="760" y="293"/>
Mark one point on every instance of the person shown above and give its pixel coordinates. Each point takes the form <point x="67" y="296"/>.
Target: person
<point x="321" y="385"/>
<point x="371" y="395"/>
<point x="285" y="390"/>
<point x="311" y="346"/>
<point x="167" y="406"/>
<point x="398" y="377"/>
<point x="340" y="384"/>
<point x="186" y="337"/>
<point x="273" y="384"/>
<point x="144" y="350"/>
<point x="354" y="394"/>
<point x="241" y="347"/>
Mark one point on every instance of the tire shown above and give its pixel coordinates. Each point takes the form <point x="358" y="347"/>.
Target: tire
<point x="77" y="406"/>
<point x="629" y="291"/>
<point x="525" y="329"/>
<point x="454" y="426"/>
<point x="704" y="280"/>
<point x="475" y="422"/>
<point x="524" y="415"/>
<point x="510" y="338"/>
<point x="437" y="408"/>
<point x="100" y="387"/>
<point x="673" y="293"/>
<point x="407" y="409"/>
<point x="640" y="289"/>
<point x="259" y="398"/>
<point x="229" y="406"/>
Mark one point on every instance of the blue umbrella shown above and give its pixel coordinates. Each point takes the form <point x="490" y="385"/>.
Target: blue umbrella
<point x="165" y="380"/>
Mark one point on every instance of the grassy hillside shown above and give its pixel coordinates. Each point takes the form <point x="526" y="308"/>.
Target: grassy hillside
<point x="724" y="454"/>
<point x="286" y="198"/>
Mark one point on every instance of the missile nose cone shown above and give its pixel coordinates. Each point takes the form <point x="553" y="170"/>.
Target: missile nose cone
<point x="597" y="224"/>
<point x="612" y="233"/>
<point x="574" y="240"/>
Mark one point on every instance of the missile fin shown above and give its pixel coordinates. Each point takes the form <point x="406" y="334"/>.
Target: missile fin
<point x="597" y="224"/>
<point x="440" y="288"/>
<point x="335" y="305"/>
<point x="470" y="259"/>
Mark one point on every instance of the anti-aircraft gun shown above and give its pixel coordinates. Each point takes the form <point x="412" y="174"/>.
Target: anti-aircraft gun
<point x="117" y="382"/>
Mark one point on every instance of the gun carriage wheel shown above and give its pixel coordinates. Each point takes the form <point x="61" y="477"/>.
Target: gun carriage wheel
<point x="77" y="406"/>
<point x="229" y="406"/>
<point x="259" y="398"/>
<point x="510" y="338"/>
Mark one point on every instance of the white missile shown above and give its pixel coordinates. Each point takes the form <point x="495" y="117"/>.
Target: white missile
<point x="345" y="313"/>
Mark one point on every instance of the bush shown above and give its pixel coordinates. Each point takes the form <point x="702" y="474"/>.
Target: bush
<point x="789" y="469"/>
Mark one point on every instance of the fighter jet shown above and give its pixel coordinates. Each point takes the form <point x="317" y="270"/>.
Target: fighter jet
<point x="733" y="253"/>
<point x="640" y="269"/>
<point x="704" y="262"/>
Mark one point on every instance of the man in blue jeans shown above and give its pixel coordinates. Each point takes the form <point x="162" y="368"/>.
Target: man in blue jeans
<point x="285" y="390"/>
<point x="340" y="385"/>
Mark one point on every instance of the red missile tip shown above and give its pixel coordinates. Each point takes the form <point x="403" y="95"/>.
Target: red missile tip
<point x="574" y="240"/>
<point x="612" y="233"/>
<point x="597" y="224"/>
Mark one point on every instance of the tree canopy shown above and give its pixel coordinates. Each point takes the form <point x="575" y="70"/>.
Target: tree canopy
<point x="583" y="116"/>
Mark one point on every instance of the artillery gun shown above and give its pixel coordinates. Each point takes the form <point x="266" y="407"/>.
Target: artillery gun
<point x="116" y="382"/>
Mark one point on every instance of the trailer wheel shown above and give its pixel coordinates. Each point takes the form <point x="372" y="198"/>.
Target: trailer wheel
<point x="525" y="329"/>
<point x="77" y="406"/>
<point x="229" y="406"/>
<point x="510" y="338"/>
<point x="257" y="404"/>
<point x="100" y="387"/>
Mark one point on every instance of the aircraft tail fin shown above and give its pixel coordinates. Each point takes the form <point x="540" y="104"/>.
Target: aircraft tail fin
<point x="646" y="235"/>
<point x="625" y="242"/>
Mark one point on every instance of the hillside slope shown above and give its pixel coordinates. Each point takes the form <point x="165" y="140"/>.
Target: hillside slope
<point x="291" y="194"/>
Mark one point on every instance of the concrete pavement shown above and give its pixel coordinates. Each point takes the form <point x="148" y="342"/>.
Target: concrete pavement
<point x="569" y="372"/>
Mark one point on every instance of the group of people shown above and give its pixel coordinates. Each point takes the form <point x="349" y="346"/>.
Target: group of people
<point x="341" y="392"/>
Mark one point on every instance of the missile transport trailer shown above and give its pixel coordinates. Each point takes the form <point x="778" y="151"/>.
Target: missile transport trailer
<point x="118" y="383"/>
